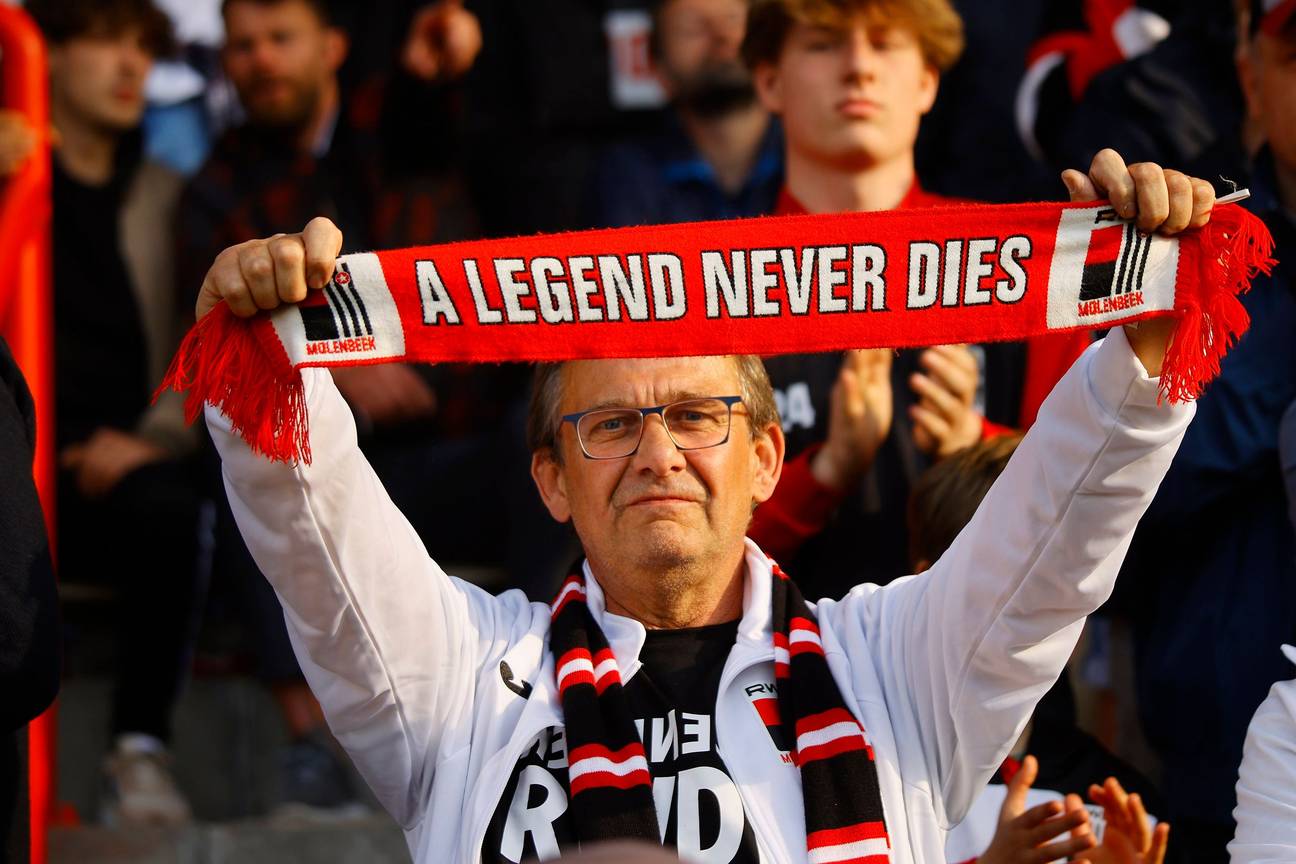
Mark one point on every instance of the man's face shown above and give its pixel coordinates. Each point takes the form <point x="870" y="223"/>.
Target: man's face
<point x="661" y="507"/>
<point x="1269" y="78"/>
<point x="100" y="78"/>
<point x="280" y="57"/>
<point x="849" y="96"/>
<point x="699" y="62"/>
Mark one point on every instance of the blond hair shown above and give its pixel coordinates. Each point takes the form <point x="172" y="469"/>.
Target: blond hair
<point x="935" y="23"/>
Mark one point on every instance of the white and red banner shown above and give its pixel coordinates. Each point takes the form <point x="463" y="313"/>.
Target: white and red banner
<point x="774" y="285"/>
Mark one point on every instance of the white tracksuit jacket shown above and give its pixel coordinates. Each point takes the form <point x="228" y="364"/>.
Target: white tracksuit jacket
<point x="943" y="669"/>
<point x="1266" y="787"/>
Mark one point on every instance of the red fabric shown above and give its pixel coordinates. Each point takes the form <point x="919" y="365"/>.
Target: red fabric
<point x="1276" y="18"/>
<point x="1048" y="358"/>
<point x="791" y="284"/>
<point x="915" y="198"/>
<point x="798" y="510"/>
<point x="1087" y="52"/>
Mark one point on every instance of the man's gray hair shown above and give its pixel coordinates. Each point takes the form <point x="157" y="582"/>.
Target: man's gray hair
<point x="543" y="418"/>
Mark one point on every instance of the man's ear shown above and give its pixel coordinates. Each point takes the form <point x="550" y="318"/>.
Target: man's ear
<point x="769" y="87"/>
<point x="660" y="73"/>
<point x="767" y="448"/>
<point x="1246" y="69"/>
<point x="928" y="89"/>
<point x="336" y="47"/>
<point x="53" y="59"/>
<point x="552" y="484"/>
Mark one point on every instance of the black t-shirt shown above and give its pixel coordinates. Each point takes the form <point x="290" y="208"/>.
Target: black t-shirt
<point x="100" y="356"/>
<point x="673" y="698"/>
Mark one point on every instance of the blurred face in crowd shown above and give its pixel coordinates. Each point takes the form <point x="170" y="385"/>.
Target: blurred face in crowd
<point x="661" y="508"/>
<point x="1269" y="79"/>
<point x="851" y="95"/>
<point x="697" y="55"/>
<point x="282" y="59"/>
<point x="99" y="78"/>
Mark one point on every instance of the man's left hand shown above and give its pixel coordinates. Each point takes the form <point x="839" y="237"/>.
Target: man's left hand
<point x="106" y="457"/>
<point x="1157" y="199"/>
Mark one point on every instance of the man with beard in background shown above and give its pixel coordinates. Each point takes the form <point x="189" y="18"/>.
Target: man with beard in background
<point x="720" y="156"/>
<point x="378" y="158"/>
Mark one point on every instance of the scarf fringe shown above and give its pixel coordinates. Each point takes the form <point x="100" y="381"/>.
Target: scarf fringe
<point x="1236" y="247"/>
<point x="225" y="361"/>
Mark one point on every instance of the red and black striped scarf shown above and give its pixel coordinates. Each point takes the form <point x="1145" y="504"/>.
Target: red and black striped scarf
<point x="611" y="787"/>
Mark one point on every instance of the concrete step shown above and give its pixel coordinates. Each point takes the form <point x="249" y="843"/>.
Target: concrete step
<point x="227" y="732"/>
<point x="372" y="840"/>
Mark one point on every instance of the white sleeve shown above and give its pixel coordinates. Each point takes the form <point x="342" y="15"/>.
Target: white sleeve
<point x="389" y="644"/>
<point x="1266" y="789"/>
<point x="964" y="651"/>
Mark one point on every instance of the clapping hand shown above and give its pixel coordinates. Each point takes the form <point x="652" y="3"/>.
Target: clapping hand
<point x="1022" y="836"/>
<point x="860" y="418"/>
<point x="1128" y="837"/>
<point x="944" y="418"/>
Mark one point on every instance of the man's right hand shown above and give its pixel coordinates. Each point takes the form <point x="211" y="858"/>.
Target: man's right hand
<point x="263" y="274"/>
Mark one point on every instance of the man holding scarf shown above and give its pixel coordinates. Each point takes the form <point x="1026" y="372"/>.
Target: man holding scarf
<point x="679" y="689"/>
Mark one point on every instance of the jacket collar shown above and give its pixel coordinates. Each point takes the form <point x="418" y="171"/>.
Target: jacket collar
<point x="626" y="635"/>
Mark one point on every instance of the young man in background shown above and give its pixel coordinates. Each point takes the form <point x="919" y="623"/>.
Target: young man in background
<point x="851" y="81"/>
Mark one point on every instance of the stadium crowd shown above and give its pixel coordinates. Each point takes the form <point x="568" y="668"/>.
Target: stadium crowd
<point x="182" y="129"/>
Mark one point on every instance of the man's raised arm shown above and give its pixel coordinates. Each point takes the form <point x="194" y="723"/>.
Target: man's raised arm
<point x="389" y="644"/>
<point x="964" y="651"/>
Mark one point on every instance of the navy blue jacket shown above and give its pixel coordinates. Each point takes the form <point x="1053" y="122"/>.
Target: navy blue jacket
<point x="1212" y="572"/>
<point x="663" y="179"/>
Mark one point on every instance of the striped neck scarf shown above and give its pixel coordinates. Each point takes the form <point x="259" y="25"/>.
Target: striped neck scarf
<point x="611" y="787"/>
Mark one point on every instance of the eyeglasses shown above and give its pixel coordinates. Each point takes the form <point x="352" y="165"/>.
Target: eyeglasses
<point x="692" y="424"/>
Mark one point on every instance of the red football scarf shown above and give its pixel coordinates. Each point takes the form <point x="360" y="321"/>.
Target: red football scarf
<point x="608" y="773"/>
<point x="775" y="285"/>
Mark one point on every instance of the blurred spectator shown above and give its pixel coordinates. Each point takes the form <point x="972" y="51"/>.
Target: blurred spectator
<point x="187" y="101"/>
<point x="1212" y="568"/>
<point x="556" y="83"/>
<point x="1152" y="79"/>
<point x="1064" y="760"/>
<point x="378" y="161"/>
<point x="968" y="145"/>
<point x="1266" y="788"/>
<point x="720" y="156"/>
<point x="29" y="624"/>
<point x="127" y="500"/>
<point x="851" y="81"/>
